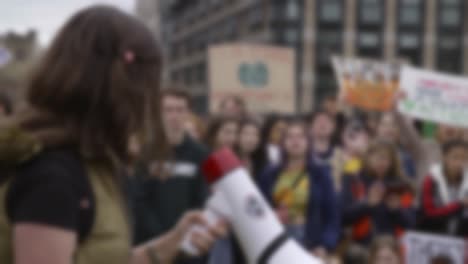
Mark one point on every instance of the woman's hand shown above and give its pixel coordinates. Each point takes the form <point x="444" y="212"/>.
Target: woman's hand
<point x="203" y="241"/>
<point x="167" y="247"/>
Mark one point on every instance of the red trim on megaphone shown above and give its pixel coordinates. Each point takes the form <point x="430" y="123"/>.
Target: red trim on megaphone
<point x="219" y="164"/>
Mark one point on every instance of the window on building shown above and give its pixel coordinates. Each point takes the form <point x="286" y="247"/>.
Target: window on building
<point x="291" y="36"/>
<point x="330" y="34"/>
<point x="371" y="12"/>
<point x="409" y="41"/>
<point x="292" y="10"/>
<point x="369" y="39"/>
<point x="371" y="22"/>
<point x="451" y="2"/>
<point x="188" y="76"/>
<point x="175" y="52"/>
<point x="410" y="30"/>
<point x="331" y="11"/>
<point x="200" y="73"/>
<point x="450" y="35"/>
<point x="231" y="27"/>
<point x="449" y="42"/>
<point x="175" y="76"/>
<point x="450" y="17"/>
<point x="329" y="43"/>
<point x="255" y="18"/>
<point x="410" y="15"/>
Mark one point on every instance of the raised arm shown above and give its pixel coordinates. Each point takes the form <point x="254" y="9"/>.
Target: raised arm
<point x="411" y="140"/>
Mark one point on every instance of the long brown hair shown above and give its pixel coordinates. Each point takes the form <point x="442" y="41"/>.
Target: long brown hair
<point x="99" y="83"/>
<point x="215" y="125"/>
<point x="293" y="123"/>
<point x="395" y="170"/>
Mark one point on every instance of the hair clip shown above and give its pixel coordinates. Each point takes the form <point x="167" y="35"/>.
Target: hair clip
<point x="129" y="56"/>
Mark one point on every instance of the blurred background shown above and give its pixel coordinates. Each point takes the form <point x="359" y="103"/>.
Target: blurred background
<point x="427" y="33"/>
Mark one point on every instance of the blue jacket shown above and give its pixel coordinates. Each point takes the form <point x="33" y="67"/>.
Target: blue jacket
<point x="322" y="225"/>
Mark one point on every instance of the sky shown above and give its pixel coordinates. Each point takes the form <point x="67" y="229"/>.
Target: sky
<point x="46" y="16"/>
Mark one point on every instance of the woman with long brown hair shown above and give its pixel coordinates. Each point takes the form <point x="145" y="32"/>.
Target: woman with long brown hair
<point x="377" y="201"/>
<point x="61" y="198"/>
<point x="302" y="193"/>
<point x="222" y="132"/>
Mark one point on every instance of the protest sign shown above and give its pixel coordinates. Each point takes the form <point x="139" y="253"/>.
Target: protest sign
<point x="436" y="97"/>
<point x="367" y="84"/>
<point x="264" y="76"/>
<point x="425" y="248"/>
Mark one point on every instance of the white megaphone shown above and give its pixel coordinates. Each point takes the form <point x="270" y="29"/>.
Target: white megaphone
<point x="237" y="200"/>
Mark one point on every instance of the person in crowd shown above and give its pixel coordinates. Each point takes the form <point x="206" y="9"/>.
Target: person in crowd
<point x="332" y="105"/>
<point x="444" y="205"/>
<point x="194" y="127"/>
<point x="347" y="158"/>
<point x="424" y="152"/>
<point x="378" y="201"/>
<point x="222" y="132"/>
<point x="372" y="119"/>
<point x="63" y="201"/>
<point x="302" y="193"/>
<point x="6" y="107"/>
<point x="233" y="107"/>
<point x="248" y="145"/>
<point x="272" y="130"/>
<point x="387" y="129"/>
<point x="321" y="132"/>
<point x="385" y="250"/>
<point x="247" y="148"/>
<point x="164" y="190"/>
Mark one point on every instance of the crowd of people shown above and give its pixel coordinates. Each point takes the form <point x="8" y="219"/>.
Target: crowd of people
<point x="346" y="183"/>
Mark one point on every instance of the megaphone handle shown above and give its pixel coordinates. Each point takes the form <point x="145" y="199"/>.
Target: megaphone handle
<point x="186" y="246"/>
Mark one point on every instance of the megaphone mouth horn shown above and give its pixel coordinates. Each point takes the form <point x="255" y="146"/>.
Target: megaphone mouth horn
<point x="219" y="164"/>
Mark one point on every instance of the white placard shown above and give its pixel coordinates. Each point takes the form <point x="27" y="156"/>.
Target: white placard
<point x="436" y="97"/>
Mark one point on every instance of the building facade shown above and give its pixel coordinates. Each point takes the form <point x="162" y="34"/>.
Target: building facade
<point x="428" y="33"/>
<point x="24" y="50"/>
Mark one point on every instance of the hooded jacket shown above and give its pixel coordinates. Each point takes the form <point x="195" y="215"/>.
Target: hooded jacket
<point x="322" y="226"/>
<point x="439" y="213"/>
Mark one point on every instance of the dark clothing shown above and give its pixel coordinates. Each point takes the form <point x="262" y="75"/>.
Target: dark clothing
<point x="322" y="226"/>
<point x="157" y="204"/>
<point x="408" y="164"/>
<point x="438" y="217"/>
<point x="52" y="189"/>
<point x="58" y="189"/>
<point x="368" y="221"/>
<point x="323" y="158"/>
